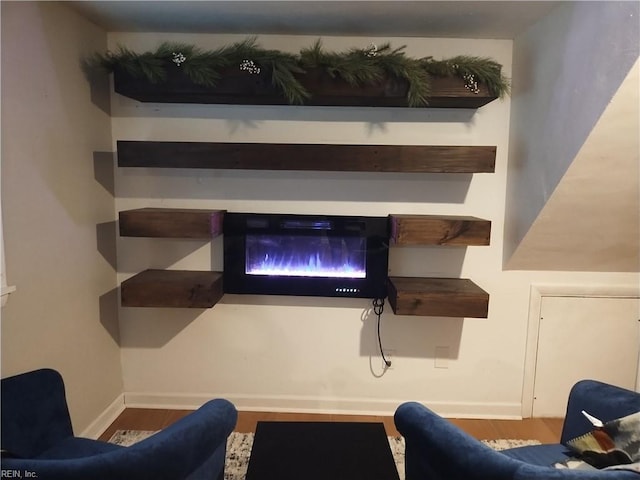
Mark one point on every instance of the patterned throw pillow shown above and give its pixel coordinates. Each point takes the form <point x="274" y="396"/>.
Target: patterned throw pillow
<point x="615" y="443"/>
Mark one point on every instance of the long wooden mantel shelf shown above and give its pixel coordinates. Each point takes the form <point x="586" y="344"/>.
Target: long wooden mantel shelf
<point x="239" y="88"/>
<point x="316" y="157"/>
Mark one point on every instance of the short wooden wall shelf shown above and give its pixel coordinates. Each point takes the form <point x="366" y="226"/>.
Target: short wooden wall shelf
<point x="240" y="88"/>
<point x="171" y="222"/>
<point x="437" y="297"/>
<point x="172" y="288"/>
<point x="439" y="230"/>
<point x="318" y="157"/>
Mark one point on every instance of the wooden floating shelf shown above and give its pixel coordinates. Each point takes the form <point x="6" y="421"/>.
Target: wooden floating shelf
<point x="438" y="230"/>
<point x="316" y="157"/>
<point x="172" y="288"/>
<point x="171" y="223"/>
<point x="437" y="297"/>
<point x="241" y="88"/>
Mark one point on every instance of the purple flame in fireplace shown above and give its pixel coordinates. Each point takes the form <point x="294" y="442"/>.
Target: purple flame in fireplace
<point x="306" y="256"/>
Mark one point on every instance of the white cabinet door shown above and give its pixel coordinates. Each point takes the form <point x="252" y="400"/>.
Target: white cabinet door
<point x="584" y="337"/>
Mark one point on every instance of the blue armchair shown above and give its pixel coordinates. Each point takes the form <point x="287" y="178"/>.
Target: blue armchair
<point x="435" y="449"/>
<point x="38" y="441"/>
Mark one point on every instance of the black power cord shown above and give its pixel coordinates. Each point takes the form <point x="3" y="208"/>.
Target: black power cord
<point x="378" y="308"/>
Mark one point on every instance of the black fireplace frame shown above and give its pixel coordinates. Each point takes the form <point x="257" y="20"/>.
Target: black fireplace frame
<point x="238" y="225"/>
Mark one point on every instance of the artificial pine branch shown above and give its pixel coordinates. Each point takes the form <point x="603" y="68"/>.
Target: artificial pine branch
<point x="484" y="70"/>
<point x="397" y="64"/>
<point x="290" y="86"/>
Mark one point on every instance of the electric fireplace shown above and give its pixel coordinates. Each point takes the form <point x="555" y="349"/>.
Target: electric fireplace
<point x="315" y="255"/>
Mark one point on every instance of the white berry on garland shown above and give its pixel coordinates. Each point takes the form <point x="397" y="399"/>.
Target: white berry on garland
<point x="371" y="50"/>
<point x="250" y="67"/>
<point x="470" y="83"/>
<point x="178" y="58"/>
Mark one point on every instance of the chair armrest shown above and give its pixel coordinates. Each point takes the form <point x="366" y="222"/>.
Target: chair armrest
<point x="437" y="449"/>
<point x="604" y="401"/>
<point x="171" y="454"/>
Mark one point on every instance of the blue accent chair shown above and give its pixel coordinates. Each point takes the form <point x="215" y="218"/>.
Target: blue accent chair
<point x="38" y="441"/>
<point x="435" y="449"/>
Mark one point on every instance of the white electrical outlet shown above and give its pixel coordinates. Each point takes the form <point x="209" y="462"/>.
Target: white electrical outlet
<point x="388" y="354"/>
<point x="442" y="357"/>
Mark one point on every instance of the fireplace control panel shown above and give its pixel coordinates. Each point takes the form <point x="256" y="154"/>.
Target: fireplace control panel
<point x="343" y="290"/>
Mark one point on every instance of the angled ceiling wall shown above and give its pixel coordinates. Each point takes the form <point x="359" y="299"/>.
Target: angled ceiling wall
<point x="564" y="78"/>
<point x="592" y="220"/>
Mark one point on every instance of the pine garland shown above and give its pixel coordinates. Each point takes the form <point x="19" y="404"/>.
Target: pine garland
<point x="356" y="66"/>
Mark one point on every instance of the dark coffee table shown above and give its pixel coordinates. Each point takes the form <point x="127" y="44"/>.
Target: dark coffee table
<point x="321" y="451"/>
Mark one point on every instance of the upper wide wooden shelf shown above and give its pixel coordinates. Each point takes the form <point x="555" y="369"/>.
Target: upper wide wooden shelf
<point x="317" y="157"/>
<point x="241" y="88"/>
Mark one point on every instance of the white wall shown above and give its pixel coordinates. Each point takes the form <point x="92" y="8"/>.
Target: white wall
<point x="57" y="208"/>
<point x="567" y="67"/>
<point x="321" y="354"/>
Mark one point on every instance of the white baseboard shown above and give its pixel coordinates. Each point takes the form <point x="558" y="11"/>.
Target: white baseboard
<point x="300" y="404"/>
<point x="105" y="419"/>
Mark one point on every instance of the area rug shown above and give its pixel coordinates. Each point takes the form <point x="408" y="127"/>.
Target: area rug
<point x="239" y="449"/>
